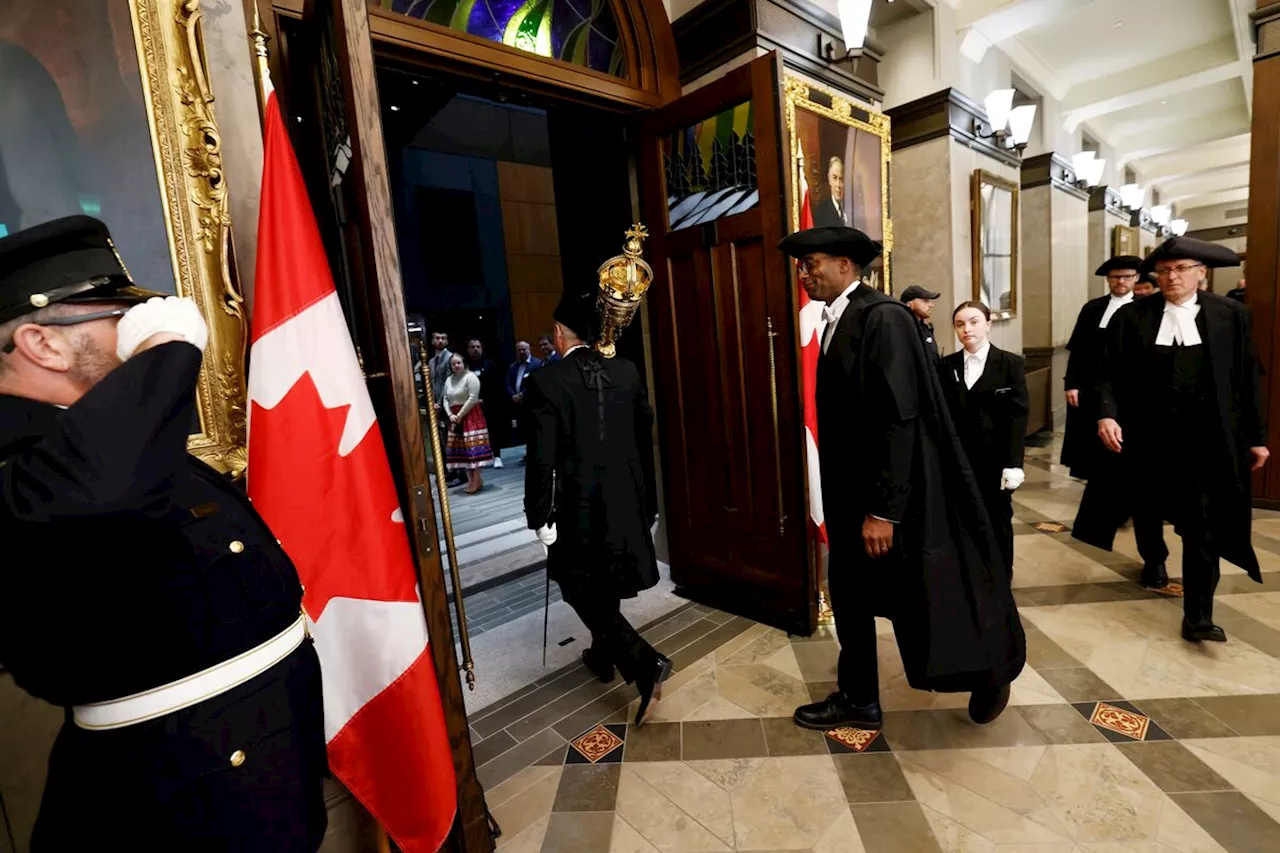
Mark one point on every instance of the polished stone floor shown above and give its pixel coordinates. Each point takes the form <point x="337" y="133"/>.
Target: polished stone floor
<point x="1121" y="738"/>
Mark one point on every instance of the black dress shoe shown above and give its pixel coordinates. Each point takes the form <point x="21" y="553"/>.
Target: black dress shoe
<point x="1154" y="576"/>
<point x="649" y="683"/>
<point x="838" y="711"/>
<point x="987" y="704"/>
<point x="1196" y="632"/>
<point x="602" y="668"/>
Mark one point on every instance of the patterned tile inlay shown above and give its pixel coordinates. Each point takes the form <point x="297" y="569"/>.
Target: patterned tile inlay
<point x="1173" y="589"/>
<point x="1120" y="721"/>
<point x="595" y="745"/>
<point x="1051" y="527"/>
<point x="848" y="739"/>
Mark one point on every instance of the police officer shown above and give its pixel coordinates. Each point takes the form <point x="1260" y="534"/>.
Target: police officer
<point x="155" y="605"/>
<point x="921" y="301"/>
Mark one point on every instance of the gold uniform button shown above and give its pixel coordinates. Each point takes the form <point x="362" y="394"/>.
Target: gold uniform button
<point x="236" y="546"/>
<point x="237" y="758"/>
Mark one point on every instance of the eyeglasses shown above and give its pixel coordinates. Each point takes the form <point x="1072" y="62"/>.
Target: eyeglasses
<point x="72" y="320"/>
<point x="1180" y="270"/>
<point x="808" y="266"/>
<point x="1126" y="277"/>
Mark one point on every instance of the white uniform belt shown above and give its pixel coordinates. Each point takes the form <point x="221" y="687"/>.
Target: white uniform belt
<point x="193" y="689"/>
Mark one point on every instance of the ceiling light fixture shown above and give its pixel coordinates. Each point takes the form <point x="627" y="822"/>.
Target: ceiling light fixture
<point x="1094" y="176"/>
<point x="1132" y="196"/>
<point x="1021" y="120"/>
<point x="1179" y="226"/>
<point x="855" y="15"/>
<point x="1082" y="162"/>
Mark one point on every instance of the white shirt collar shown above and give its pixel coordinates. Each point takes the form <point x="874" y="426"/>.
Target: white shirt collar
<point x="831" y="313"/>
<point x="572" y="350"/>
<point x="981" y="355"/>
<point x="1178" y="323"/>
<point x="1114" y="305"/>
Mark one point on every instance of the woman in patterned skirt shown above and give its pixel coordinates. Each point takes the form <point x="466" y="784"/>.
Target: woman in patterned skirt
<point x="467" y="449"/>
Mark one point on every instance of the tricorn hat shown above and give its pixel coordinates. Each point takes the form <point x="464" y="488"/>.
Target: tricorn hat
<point x="577" y="312"/>
<point x="64" y="260"/>
<point x="839" y="241"/>
<point x="1190" y="249"/>
<point x="1120" y="262"/>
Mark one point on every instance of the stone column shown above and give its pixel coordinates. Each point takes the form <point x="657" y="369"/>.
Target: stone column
<point x="1105" y="213"/>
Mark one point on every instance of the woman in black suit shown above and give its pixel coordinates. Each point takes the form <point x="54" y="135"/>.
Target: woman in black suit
<point x="987" y="392"/>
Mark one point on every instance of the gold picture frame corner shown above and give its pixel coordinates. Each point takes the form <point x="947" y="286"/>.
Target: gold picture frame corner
<point x="187" y="145"/>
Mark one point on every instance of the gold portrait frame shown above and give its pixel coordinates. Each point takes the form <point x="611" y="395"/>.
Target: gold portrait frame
<point x="1125" y="241"/>
<point x="797" y="94"/>
<point x="193" y="194"/>
<point x="980" y="178"/>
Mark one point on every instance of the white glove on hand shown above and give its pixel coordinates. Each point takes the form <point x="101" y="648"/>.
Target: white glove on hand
<point x="547" y="535"/>
<point x="1011" y="478"/>
<point x="172" y="315"/>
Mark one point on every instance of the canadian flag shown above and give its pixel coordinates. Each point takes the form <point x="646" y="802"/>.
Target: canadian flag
<point x="319" y="476"/>
<point x="811" y="328"/>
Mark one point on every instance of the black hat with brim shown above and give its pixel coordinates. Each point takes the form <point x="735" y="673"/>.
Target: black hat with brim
<point x="915" y="291"/>
<point x="1120" y="262"/>
<point x="1211" y="255"/>
<point x="577" y="312"/>
<point x="839" y="242"/>
<point x="68" y="260"/>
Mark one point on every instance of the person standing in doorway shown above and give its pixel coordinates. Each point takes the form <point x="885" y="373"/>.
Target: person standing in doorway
<point x="921" y="302"/>
<point x="987" y="390"/>
<point x="438" y="369"/>
<point x="1181" y="376"/>
<point x="590" y="494"/>
<point x="519" y="370"/>
<point x="548" y="349"/>
<point x="492" y="397"/>
<point x="1082" y="450"/>
<point x="909" y="533"/>
<point x="468" y="449"/>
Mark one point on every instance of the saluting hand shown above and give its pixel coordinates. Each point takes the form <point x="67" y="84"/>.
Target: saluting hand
<point x="1260" y="457"/>
<point x="877" y="536"/>
<point x="1109" y="432"/>
<point x="1073" y="397"/>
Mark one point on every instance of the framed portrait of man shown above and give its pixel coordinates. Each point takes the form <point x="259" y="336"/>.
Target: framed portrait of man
<point x="107" y="111"/>
<point x="840" y="157"/>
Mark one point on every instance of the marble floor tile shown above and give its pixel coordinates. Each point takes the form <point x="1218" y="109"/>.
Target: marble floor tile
<point x="588" y="788"/>
<point x="1173" y="767"/>
<point x="663" y="819"/>
<point x="699" y="797"/>
<point x="1233" y="820"/>
<point x="760" y="689"/>
<point x="1059" y="724"/>
<point x="653" y="742"/>
<point x="1079" y="684"/>
<point x="1246" y="715"/>
<point x="627" y="840"/>
<point x="1043" y="653"/>
<point x="1251" y="765"/>
<point x="529" y="840"/>
<point x="787" y="803"/>
<point x="951" y="729"/>
<point x="1030" y="688"/>
<point x="894" y="828"/>
<point x="761" y="647"/>
<point x="577" y="832"/>
<point x="784" y="660"/>
<point x="817" y="661"/>
<point x="1043" y="561"/>
<point x="872" y="778"/>
<point x="723" y="739"/>
<point x="1185" y="718"/>
<point x="524" y="802"/>
<point x="1263" y="606"/>
<point x="783" y="737"/>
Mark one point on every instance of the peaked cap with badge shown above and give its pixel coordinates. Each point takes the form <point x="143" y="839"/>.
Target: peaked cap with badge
<point x="69" y="260"/>
<point x="839" y="241"/>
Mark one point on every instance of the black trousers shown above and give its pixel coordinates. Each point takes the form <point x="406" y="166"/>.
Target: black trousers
<point x="1148" y="530"/>
<point x="850" y="580"/>
<point x="612" y="637"/>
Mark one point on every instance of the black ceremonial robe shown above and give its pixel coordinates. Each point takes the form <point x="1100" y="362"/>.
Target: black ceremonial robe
<point x="1132" y="389"/>
<point x="589" y="470"/>
<point x="1082" y="451"/>
<point x="890" y="449"/>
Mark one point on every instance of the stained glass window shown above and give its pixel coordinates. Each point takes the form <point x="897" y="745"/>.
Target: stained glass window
<point x="711" y="169"/>
<point x="583" y="32"/>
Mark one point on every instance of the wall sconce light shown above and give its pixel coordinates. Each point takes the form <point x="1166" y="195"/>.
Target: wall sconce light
<point x="1178" y="226"/>
<point x="1093" y="176"/>
<point x="1132" y="196"/>
<point x="1088" y="168"/>
<point x="855" y="15"/>
<point x="1082" y="162"/>
<point x="1161" y="214"/>
<point x="1021" y="120"/>
<point x="1009" y="125"/>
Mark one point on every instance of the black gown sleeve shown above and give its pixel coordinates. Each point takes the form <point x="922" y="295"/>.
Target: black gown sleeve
<point x="1018" y="405"/>
<point x="1111" y="363"/>
<point x="1253" y="424"/>
<point x="890" y="377"/>
<point x="644" y="445"/>
<point x="117" y="449"/>
<point x="1075" y="377"/>
<point x="540" y="457"/>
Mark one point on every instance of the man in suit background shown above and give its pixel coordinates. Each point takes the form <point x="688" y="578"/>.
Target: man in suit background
<point x="910" y="538"/>
<point x="517" y="372"/>
<point x="1181" y="376"/>
<point x="590" y="493"/>
<point x="1082" y="450"/>
<point x="830" y="211"/>
<point x="493" y="400"/>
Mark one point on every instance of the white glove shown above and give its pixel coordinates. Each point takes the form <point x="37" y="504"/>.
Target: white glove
<point x="1011" y="478"/>
<point x="171" y="315"/>
<point x="547" y="534"/>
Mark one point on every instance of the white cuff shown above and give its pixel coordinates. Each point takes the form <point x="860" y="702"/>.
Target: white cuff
<point x="1012" y="478"/>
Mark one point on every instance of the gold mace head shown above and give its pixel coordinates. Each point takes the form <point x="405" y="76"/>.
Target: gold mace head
<point x="623" y="280"/>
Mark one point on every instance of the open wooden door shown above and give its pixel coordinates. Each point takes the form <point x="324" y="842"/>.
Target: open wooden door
<point x="335" y="95"/>
<point x="725" y="350"/>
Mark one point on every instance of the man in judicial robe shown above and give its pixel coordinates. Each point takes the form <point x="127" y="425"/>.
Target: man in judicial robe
<point x="1179" y="390"/>
<point x="590" y="493"/>
<point x="137" y="573"/>
<point x="1082" y="450"/>
<point x="909" y="535"/>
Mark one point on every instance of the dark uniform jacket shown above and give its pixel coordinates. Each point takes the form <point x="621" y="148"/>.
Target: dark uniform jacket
<point x="589" y="470"/>
<point x="143" y="566"/>
<point x="1133" y="379"/>
<point x="991" y="417"/>
<point x="890" y="449"/>
<point x="1082" y="450"/>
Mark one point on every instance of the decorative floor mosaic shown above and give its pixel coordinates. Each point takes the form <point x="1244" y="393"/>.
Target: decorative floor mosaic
<point x="1120" y="737"/>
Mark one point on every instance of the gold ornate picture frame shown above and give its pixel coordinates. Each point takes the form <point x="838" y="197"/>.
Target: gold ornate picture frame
<point x="994" y="208"/>
<point x="840" y="152"/>
<point x="188" y="154"/>
<point x="1125" y="241"/>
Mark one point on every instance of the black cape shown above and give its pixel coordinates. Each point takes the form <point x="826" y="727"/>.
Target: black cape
<point x="1131" y="382"/>
<point x="589" y="470"/>
<point x="890" y="449"/>
<point x="1082" y="450"/>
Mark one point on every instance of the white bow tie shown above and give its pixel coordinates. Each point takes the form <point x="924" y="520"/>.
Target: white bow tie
<point x="828" y="315"/>
<point x="1178" y="326"/>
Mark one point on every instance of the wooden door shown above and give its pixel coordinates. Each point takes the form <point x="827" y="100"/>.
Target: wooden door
<point x="725" y="349"/>
<point x="348" y="179"/>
